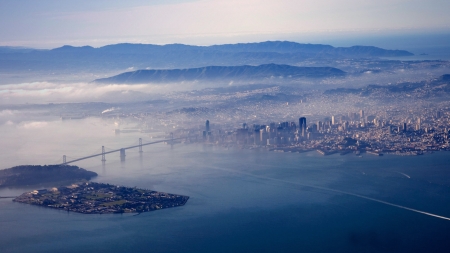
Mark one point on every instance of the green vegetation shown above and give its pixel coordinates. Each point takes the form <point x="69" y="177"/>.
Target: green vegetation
<point x="118" y="202"/>
<point x="37" y="174"/>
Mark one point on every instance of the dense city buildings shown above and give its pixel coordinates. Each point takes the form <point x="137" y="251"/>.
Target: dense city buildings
<point x="403" y="118"/>
<point x="373" y="134"/>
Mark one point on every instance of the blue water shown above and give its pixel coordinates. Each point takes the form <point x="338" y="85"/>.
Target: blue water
<point x="251" y="201"/>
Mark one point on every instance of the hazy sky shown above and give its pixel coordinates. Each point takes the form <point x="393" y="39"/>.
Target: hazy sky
<point x="51" y="23"/>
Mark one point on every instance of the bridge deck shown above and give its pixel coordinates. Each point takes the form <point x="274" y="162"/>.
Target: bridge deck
<point x="118" y="150"/>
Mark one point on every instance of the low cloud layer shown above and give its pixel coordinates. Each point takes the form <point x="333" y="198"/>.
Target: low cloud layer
<point x="35" y="124"/>
<point x="47" y="92"/>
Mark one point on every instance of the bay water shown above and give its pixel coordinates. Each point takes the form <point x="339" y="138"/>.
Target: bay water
<point x="240" y="200"/>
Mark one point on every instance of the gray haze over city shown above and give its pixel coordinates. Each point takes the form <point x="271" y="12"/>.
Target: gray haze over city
<point x="315" y="126"/>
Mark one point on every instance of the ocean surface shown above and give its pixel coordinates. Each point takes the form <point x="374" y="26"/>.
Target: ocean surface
<point x="240" y="200"/>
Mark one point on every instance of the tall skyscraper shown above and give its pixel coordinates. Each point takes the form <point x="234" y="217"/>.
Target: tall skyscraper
<point x="256" y="138"/>
<point x="263" y="135"/>
<point x="333" y="120"/>
<point x="302" y="125"/>
<point x="207" y="126"/>
<point x="361" y="114"/>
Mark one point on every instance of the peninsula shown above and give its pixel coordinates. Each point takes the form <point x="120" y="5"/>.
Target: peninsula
<point x="99" y="198"/>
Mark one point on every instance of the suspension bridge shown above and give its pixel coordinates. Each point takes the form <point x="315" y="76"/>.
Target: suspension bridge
<point x="120" y="150"/>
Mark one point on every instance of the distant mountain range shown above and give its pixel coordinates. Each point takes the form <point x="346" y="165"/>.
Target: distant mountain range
<point x="223" y="73"/>
<point x="268" y="46"/>
<point x="141" y="56"/>
<point x="5" y="49"/>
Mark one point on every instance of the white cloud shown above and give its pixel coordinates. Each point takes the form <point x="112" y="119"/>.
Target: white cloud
<point x="47" y="92"/>
<point x="6" y="113"/>
<point x="9" y="123"/>
<point x="35" y="124"/>
<point x="110" y="110"/>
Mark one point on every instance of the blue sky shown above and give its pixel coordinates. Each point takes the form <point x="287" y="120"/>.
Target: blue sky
<point x="51" y="23"/>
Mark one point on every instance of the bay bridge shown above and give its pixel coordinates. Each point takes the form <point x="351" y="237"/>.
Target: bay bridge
<point x="120" y="150"/>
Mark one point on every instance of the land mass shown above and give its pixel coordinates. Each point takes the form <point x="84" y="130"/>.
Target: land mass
<point x="36" y="174"/>
<point x="437" y="87"/>
<point x="140" y="56"/>
<point x="227" y="73"/>
<point x="98" y="198"/>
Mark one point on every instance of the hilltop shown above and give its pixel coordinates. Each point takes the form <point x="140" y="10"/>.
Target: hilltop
<point x="223" y="73"/>
<point x="141" y="56"/>
<point x="37" y="174"/>
<point x="267" y="46"/>
<point x="438" y="87"/>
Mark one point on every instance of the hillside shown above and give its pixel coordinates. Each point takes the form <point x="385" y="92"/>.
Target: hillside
<point x="37" y="174"/>
<point x="438" y="87"/>
<point x="227" y="73"/>
<point x="141" y="56"/>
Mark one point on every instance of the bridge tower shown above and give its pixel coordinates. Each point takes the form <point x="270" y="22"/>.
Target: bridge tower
<point x="103" y="154"/>
<point x="122" y="154"/>
<point x="64" y="159"/>
<point x="140" y="145"/>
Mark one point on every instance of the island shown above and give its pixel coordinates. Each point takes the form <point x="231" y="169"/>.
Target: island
<point x="27" y="175"/>
<point x="100" y="198"/>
